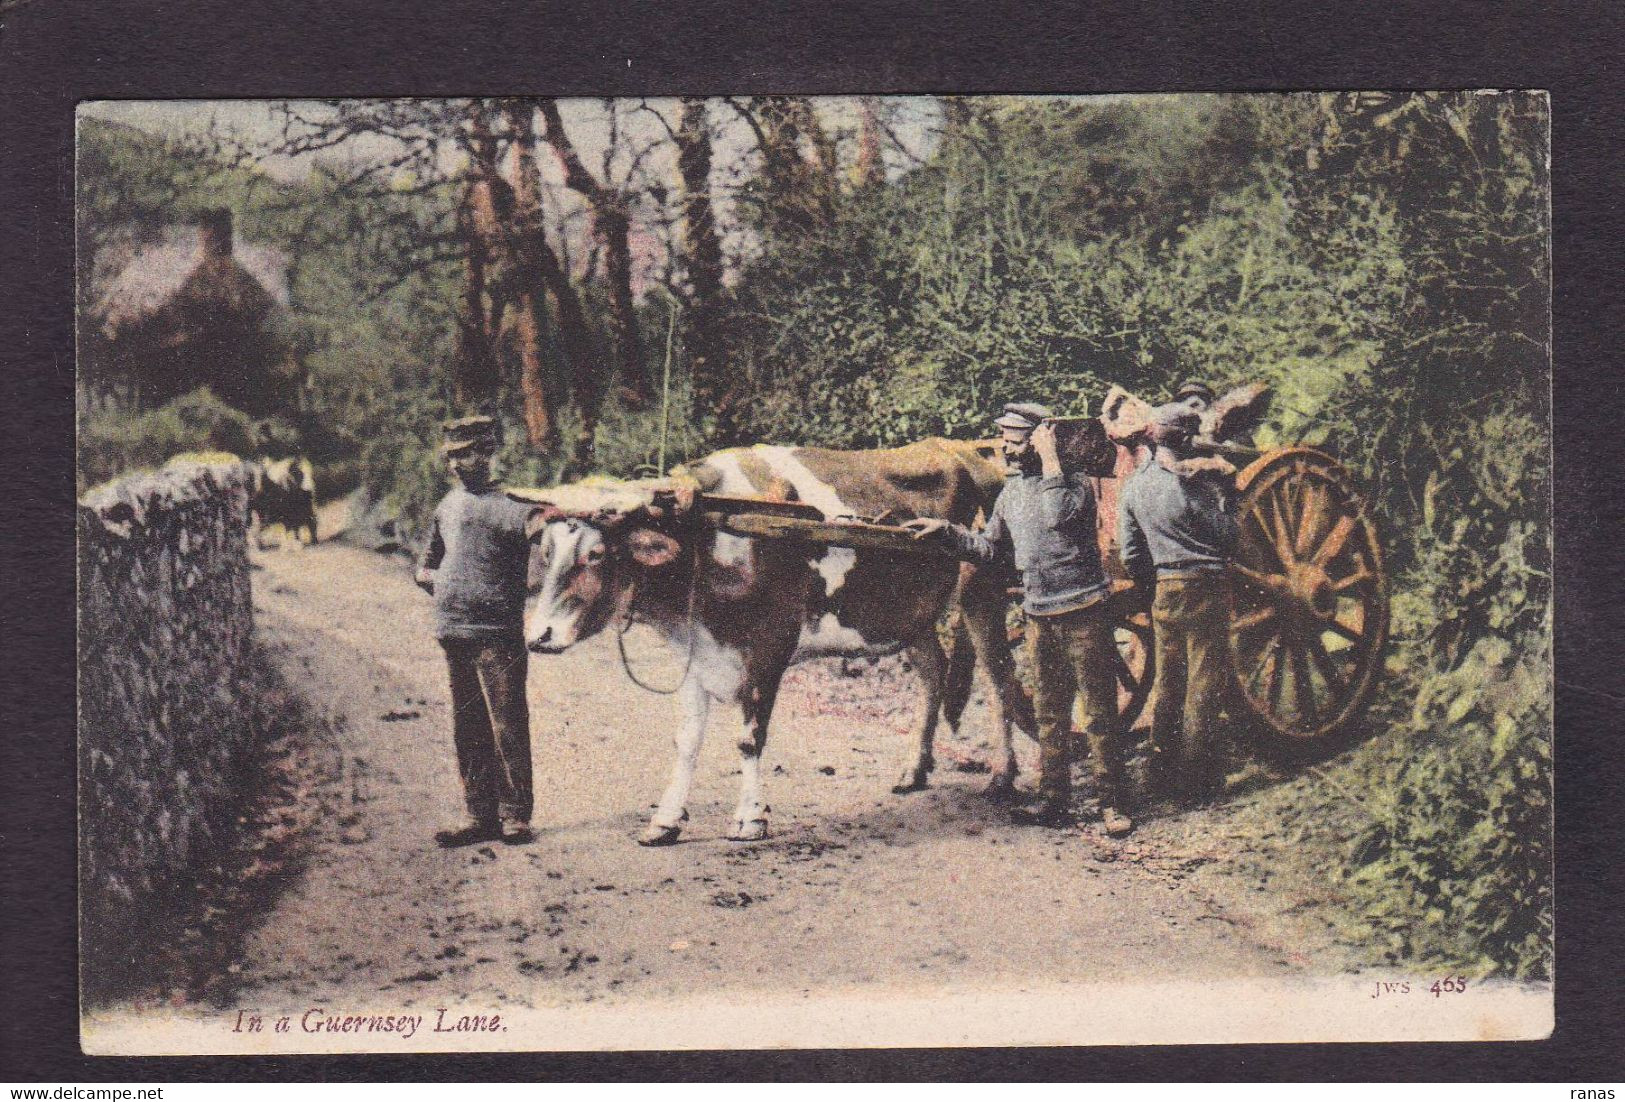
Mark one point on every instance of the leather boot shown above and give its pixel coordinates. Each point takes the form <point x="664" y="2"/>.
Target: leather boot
<point x="1050" y="811"/>
<point x="470" y="833"/>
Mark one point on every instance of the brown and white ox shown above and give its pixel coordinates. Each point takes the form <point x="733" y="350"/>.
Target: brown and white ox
<point x="742" y="609"/>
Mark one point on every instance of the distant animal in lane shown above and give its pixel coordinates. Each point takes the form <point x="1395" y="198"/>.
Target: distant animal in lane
<point x="742" y="610"/>
<point x="283" y="491"/>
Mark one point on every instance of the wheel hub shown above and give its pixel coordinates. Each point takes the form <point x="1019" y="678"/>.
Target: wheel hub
<point x="1312" y="591"/>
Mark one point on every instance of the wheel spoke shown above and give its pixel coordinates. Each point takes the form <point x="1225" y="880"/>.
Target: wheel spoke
<point x="1303" y="687"/>
<point x="1253" y="619"/>
<point x="1277" y="674"/>
<point x="1334" y="543"/>
<point x="1125" y="676"/>
<point x="1268" y="656"/>
<point x="1256" y="514"/>
<point x="1280" y="533"/>
<point x="1359" y="577"/>
<point x="1309" y="520"/>
<point x="1340" y="628"/>
<point x="1274" y="586"/>
<point x="1328" y="668"/>
<point x="1286" y="493"/>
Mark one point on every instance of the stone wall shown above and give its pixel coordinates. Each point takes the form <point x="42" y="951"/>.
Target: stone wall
<point x="166" y="709"/>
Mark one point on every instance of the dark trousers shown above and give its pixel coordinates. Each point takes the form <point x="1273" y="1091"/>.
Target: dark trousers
<point x="1074" y="655"/>
<point x="1190" y="618"/>
<point x="490" y="724"/>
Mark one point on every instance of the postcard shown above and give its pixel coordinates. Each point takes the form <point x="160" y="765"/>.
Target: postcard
<point x="772" y="571"/>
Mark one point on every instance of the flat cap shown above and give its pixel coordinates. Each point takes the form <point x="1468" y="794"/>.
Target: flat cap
<point x="470" y="428"/>
<point x="1194" y="387"/>
<point x="1023" y="415"/>
<point x="482" y="446"/>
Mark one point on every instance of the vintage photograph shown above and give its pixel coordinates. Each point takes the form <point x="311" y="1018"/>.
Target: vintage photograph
<point x="772" y="571"/>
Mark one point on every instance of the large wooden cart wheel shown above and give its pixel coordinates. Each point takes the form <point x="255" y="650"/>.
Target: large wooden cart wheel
<point x="1311" y="599"/>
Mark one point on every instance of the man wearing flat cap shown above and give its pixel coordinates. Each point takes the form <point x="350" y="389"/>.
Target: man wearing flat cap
<point x="474" y="565"/>
<point x="1177" y="532"/>
<point x="1044" y="521"/>
<point x="1197" y="395"/>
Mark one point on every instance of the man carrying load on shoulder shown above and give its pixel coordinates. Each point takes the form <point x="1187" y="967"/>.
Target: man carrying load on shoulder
<point x="1177" y="531"/>
<point x="1044" y="521"/>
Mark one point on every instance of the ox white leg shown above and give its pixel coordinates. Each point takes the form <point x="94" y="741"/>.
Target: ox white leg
<point x="932" y="665"/>
<point x="667" y="822"/>
<point x="750" y="816"/>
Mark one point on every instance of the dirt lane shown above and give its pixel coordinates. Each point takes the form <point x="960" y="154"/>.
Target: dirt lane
<point x="854" y="887"/>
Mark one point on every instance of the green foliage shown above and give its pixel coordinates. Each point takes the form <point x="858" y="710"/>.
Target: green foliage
<point x="111" y="442"/>
<point x="1457" y="866"/>
<point x="1482" y="551"/>
<point x="628" y="442"/>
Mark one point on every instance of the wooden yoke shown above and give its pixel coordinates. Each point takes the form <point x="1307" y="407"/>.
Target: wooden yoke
<point x="756" y="518"/>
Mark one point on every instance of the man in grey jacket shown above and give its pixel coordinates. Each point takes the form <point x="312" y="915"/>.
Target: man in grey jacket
<point x="1044" y="522"/>
<point x="474" y="565"/>
<point x="1177" y="532"/>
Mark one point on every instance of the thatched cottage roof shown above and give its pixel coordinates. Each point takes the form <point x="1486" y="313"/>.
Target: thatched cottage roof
<point x="244" y="279"/>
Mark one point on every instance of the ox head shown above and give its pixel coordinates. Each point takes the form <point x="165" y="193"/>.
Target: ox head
<point x="582" y="570"/>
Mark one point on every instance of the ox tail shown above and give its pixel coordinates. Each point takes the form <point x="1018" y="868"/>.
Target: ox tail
<point x="961" y="674"/>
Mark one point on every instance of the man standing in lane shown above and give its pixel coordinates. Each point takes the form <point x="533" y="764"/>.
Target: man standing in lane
<point x="474" y="565"/>
<point x="1177" y="532"/>
<point x="1044" y="520"/>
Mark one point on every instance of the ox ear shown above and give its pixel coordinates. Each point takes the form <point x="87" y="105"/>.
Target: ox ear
<point x="651" y="548"/>
<point x="540" y="518"/>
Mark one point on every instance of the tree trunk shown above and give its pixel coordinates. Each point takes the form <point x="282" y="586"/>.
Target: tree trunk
<point x="474" y="367"/>
<point x="800" y="184"/>
<point x="528" y="321"/>
<point x="870" y="170"/>
<point x="575" y="338"/>
<point x="539" y="267"/>
<point x="715" y="389"/>
<point x="612" y="223"/>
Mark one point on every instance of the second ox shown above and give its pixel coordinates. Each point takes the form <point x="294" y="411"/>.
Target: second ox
<point x="282" y="491"/>
<point x="743" y="609"/>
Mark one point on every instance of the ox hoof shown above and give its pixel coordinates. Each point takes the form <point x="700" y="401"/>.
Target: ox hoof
<point x="655" y="835"/>
<point x="1001" y="788"/>
<point x="915" y="778"/>
<point x="753" y="831"/>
